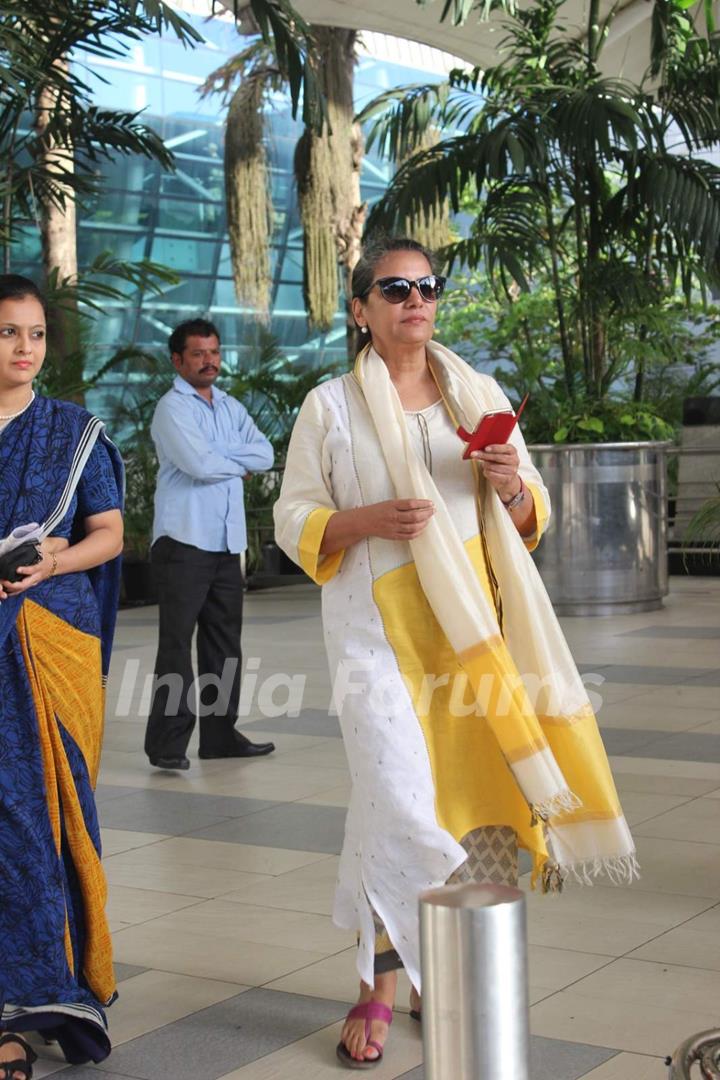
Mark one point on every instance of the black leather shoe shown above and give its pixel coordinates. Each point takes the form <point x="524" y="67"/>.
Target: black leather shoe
<point x="240" y="749"/>
<point x="177" y="763"/>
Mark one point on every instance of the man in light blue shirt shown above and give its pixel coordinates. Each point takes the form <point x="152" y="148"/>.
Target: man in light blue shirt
<point x="206" y="442"/>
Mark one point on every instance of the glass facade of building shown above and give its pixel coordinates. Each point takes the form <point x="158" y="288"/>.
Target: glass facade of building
<point x="178" y="219"/>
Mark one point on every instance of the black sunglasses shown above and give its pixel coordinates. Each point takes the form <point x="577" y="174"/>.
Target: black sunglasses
<point x="397" y="289"/>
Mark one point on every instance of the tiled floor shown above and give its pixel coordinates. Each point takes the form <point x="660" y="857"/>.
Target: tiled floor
<point x="221" y="879"/>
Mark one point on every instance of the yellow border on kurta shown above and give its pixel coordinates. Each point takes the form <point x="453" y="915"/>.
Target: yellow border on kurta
<point x="321" y="568"/>
<point x="541" y="516"/>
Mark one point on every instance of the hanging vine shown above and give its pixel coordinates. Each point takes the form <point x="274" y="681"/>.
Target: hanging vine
<point x="248" y="197"/>
<point x="327" y="171"/>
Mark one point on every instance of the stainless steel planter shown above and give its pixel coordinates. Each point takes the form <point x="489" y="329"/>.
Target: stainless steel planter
<point x="605" y="551"/>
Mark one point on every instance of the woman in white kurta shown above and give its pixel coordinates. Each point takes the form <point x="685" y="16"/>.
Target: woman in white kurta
<point x="467" y="728"/>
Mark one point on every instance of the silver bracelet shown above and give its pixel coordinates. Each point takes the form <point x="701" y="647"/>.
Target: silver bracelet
<point x="516" y="499"/>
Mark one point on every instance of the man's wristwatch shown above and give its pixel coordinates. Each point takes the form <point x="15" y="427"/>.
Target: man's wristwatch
<point x="516" y="499"/>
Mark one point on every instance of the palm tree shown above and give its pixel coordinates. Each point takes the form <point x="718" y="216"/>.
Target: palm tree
<point x="328" y="156"/>
<point x="328" y="159"/>
<point x="327" y="172"/>
<point x="273" y="393"/>
<point x="52" y="137"/>
<point x="590" y="184"/>
<point x="284" y="31"/>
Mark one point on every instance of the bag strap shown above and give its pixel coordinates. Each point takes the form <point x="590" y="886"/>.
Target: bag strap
<point x="80" y="458"/>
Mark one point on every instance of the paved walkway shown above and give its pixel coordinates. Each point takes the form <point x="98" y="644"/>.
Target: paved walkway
<point x="221" y="879"/>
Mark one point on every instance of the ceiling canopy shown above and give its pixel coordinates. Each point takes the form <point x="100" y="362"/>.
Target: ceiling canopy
<point x="625" y="55"/>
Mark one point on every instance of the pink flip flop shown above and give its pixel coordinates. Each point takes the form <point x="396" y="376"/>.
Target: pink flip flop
<point x="369" y="1011"/>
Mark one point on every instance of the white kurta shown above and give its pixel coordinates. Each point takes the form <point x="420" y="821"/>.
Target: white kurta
<point x="436" y="443"/>
<point x="395" y="614"/>
<point x="394" y="847"/>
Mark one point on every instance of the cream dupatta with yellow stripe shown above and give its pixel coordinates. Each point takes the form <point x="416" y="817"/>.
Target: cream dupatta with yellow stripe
<point x="394" y="614"/>
<point x="537" y="706"/>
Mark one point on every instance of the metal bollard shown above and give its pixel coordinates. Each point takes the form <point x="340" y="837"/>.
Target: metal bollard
<point x="702" y="1050"/>
<point x="473" y="941"/>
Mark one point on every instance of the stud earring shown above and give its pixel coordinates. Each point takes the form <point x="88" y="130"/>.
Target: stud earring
<point x="363" y="329"/>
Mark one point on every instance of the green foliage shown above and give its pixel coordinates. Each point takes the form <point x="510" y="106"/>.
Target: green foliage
<point x="140" y="479"/>
<point x="703" y="530"/>
<point x="289" y="38"/>
<point x="52" y="137"/>
<point x="591" y="220"/>
<point x="517" y="334"/>
<point x="270" y="389"/>
<point x="106" y="278"/>
<point x="609" y="421"/>
<point x="146" y="377"/>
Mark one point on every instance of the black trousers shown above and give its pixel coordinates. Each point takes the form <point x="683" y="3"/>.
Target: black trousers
<point x="202" y="589"/>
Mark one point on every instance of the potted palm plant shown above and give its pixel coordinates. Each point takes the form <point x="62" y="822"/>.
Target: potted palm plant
<point x="146" y="378"/>
<point x="272" y="390"/>
<point x="594" y="213"/>
<point x="702" y="534"/>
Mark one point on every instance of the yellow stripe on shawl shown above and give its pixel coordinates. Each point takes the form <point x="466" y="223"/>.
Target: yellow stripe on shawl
<point x="473" y="783"/>
<point x="576" y="741"/>
<point x="321" y="568"/>
<point x="65" y="676"/>
<point x="536" y="756"/>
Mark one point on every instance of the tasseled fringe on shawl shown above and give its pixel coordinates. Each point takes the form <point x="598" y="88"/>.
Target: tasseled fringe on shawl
<point x="621" y="869"/>
<point x="562" y="803"/>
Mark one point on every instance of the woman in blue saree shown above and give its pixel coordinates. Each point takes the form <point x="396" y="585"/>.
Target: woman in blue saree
<point x="61" y="486"/>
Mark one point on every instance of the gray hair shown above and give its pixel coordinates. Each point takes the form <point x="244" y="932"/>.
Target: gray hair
<point x="375" y="250"/>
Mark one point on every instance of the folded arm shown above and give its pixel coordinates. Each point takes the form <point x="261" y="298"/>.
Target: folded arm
<point x="249" y="447"/>
<point x="179" y="438"/>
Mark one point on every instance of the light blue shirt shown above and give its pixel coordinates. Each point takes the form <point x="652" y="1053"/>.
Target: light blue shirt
<point x="204" y="450"/>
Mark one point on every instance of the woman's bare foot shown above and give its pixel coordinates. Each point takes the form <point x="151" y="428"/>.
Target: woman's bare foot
<point x="13" y="1051"/>
<point x="353" y="1034"/>
<point x="415" y="1002"/>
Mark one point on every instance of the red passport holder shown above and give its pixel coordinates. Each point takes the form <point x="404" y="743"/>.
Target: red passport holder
<point x="494" y="428"/>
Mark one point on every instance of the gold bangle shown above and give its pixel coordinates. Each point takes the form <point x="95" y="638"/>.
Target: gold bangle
<point x="53" y="556"/>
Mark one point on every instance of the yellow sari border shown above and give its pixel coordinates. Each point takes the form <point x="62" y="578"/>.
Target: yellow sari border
<point x="64" y="671"/>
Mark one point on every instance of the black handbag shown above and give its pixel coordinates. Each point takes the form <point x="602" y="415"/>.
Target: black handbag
<point x="25" y="555"/>
<point x="29" y="553"/>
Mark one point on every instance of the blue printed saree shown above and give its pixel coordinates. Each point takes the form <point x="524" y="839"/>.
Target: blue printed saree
<point x="56" y="970"/>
